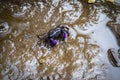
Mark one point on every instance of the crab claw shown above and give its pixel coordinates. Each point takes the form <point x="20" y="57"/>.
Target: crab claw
<point x="65" y="35"/>
<point x="53" y="42"/>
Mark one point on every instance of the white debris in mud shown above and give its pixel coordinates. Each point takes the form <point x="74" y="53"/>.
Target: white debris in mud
<point x="66" y="7"/>
<point x="41" y="5"/>
<point x="31" y="68"/>
<point x="49" y="15"/>
<point x="23" y="10"/>
<point x="4" y="27"/>
<point x="55" y="2"/>
<point x="71" y="13"/>
<point x="73" y="33"/>
<point x="20" y="28"/>
<point x="117" y="2"/>
<point x="19" y="14"/>
<point x="118" y="19"/>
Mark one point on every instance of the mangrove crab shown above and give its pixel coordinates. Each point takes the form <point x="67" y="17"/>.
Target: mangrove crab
<point x="51" y="38"/>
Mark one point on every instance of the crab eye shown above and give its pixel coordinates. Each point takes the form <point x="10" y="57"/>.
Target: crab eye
<point x="65" y="27"/>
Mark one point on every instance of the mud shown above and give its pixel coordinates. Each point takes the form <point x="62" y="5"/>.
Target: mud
<point x="82" y="57"/>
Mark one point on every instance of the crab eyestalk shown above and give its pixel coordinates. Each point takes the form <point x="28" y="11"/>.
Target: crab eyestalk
<point x="65" y="27"/>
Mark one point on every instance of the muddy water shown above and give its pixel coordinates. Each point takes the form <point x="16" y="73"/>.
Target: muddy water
<point x="82" y="57"/>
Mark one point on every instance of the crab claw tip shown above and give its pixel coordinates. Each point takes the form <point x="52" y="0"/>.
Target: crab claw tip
<point x="53" y="41"/>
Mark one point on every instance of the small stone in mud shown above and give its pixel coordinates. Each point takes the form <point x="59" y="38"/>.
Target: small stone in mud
<point x="26" y="36"/>
<point x="43" y="50"/>
<point x="4" y="29"/>
<point x="41" y="61"/>
<point x="114" y="57"/>
<point x="91" y="1"/>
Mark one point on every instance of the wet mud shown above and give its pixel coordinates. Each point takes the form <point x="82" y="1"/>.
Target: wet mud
<point x="82" y="57"/>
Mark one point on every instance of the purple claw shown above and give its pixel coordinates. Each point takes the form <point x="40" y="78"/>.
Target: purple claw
<point x="65" y="35"/>
<point x="53" y="42"/>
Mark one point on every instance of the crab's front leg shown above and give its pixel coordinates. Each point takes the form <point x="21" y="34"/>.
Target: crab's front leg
<point x="42" y="38"/>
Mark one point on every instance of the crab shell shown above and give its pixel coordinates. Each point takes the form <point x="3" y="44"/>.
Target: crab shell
<point x="54" y="33"/>
<point x="58" y="31"/>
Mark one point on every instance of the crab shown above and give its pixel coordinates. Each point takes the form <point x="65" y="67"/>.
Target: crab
<point x="51" y="38"/>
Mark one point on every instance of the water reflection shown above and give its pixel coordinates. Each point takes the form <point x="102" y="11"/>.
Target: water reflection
<point x="83" y="56"/>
